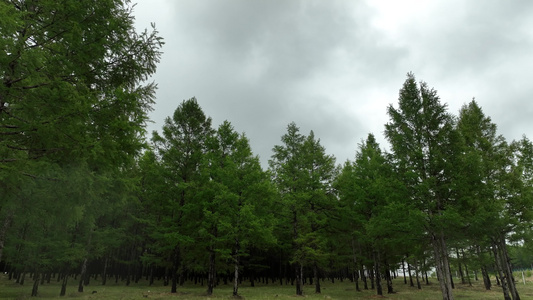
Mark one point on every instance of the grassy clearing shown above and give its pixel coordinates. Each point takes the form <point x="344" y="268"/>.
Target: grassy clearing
<point x="339" y="290"/>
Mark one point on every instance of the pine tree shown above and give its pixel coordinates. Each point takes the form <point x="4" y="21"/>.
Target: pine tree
<point x="181" y="147"/>
<point x="236" y="202"/>
<point x="423" y="142"/>
<point x="73" y="107"/>
<point x="304" y="175"/>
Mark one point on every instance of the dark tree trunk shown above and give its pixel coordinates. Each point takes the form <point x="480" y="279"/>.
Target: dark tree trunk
<point x="363" y="277"/>
<point x="484" y="272"/>
<point x="317" y="280"/>
<point x="3" y="229"/>
<point x="236" y="277"/>
<point x="388" y="277"/>
<point x="498" y="264"/>
<point x="461" y="274"/>
<point x="372" y="278"/>
<point x="506" y="262"/>
<point x="403" y="269"/>
<point x="355" y="273"/>
<point x="151" y="276"/>
<point x="466" y="269"/>
<point x="64" y="285"/>
<point x="356" y="280"/>
<point x="417" y="275"/>
<point x="467" y="276"/>
<point x="410" y="276"/>
<point x="486" y="278"/>
<point x="377" y="275"/>
<point x="175" y="269"/>
<point x="425" y="271"/>
<point x="450" y="275"/>
<point x="211" y="272"/>
<point x="23" y="277"/>
<point x="442" y="266"/>
<point x="83" y="273"/>
<point x="299" y="279"/>
<point x="104" y="272"/>
<point x="36" y="280"/>
<point x="252" y="279"/>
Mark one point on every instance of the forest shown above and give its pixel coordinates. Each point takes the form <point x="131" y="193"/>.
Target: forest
<point x="86" y="195"/>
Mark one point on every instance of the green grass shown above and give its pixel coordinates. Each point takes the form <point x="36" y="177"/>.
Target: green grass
<point x="339" y="290"/>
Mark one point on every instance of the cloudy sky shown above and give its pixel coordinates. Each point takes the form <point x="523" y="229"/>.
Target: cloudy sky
<point x="334" y="66"/>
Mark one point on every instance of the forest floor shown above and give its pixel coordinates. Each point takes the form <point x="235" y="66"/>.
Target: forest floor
<point x="337" y="290"/>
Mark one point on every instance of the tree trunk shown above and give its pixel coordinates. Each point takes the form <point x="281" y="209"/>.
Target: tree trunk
<point x="317" y="280"/>
<point x="355" y="273"/>
<point x="466" y="269"/>
<point x="377" y="275"/>
<point x="3" y="230"/>
<point x="506" y="260"/>
<point x="175" y="269"/>
<point x="467" y="275"/>
<point x="23" y="277"/>
<point x="299" y="279"/>
<point x="151" y="276"/>
<point x="64" y="285"/>
<point x="211" y="272"/>
<point x="236" y="278"/>
<point x="83" y="273"/>
<point x="363" y="277"/>
<point x="484" y="272"/>
<point x="461" y="275"/>
<point x="418" y="286"/>
<point x="425" y="271"/>
<point x="390" y="290"/>
<point x="498" y="264"/>
<point x="104" y="272"/>
<point x="449" y="270"/>
<point x="403" y="269"/>
<point x="36" y="280"/>
<point x="410" y="275"/>
<point x="442" y="266"/>
<point x="252" y="279"/>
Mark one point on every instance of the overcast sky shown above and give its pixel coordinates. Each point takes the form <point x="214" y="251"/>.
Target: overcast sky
<point x="334" y="66"/>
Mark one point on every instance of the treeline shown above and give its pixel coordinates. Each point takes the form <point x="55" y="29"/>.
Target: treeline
<point x="84" y="196"/>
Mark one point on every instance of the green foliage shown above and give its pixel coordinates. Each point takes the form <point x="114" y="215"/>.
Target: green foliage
<point x="73" y="107"/>
<point x="304" y="174"/>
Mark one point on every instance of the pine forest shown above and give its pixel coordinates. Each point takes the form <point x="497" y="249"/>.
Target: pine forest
<point x="87" y="195"/>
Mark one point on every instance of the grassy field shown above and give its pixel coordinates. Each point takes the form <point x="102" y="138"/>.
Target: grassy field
<point x="339" y="290"/>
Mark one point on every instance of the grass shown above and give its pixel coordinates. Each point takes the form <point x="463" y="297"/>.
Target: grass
<point x="339" y="290"/>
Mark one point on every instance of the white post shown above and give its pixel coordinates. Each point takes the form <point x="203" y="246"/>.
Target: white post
<point x="523" y="278"/>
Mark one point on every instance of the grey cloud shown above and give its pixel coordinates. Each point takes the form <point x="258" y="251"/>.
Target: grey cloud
<point x="263" y="64"/>
<point x="252" y="63"/>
